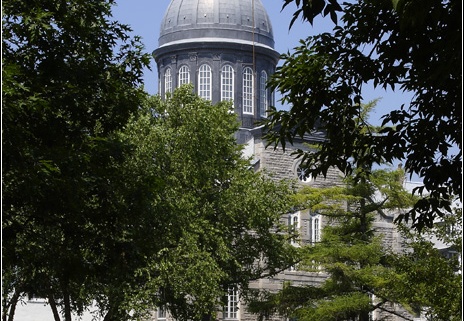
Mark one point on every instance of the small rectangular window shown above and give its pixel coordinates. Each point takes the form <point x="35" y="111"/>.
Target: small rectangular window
<point x="232" y="302"/>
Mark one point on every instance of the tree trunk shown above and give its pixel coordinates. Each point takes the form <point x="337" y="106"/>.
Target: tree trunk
<point x="67" y="305"/>
<point x="108" y="315"/>
<point x="206" y="317"/>
<point x="12" y="307"/>
<point x="364" y="316"/>
<point x="53" y="306"/>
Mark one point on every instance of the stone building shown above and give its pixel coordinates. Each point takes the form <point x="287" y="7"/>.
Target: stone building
<point x="225" y="49"/>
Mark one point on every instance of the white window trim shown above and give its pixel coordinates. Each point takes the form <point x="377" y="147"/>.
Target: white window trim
<point x="315" y="226"/>
<point x="167" y="81"/>
<point x="184" y="75"/>
<point x="231" y="309"/>
<point x="205" y="82"/>
<point x="263" y="101"/>
<point x="294" y="222"/>
<point x="248" y="91"/>
<point x="227" y="70"/>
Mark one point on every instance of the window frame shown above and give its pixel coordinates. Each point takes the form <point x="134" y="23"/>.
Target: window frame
<point x="315" y="227"/>
<point x="248" y="91"/>
<point x="294" y="225"/>
<point x="230" y="310"/>
<point x="205" y="75"/>
<point x="227" y="75"/>
<point x="183" y="75"/>
<point x="167" y="81"/>
<point x="264" y="99"/>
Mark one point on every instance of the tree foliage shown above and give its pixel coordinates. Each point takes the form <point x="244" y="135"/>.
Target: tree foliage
<point x="218" y="223"/>
<point x="160" y="211"/>
<point x="440" y="299"/>
<point x="362" y="274"/>
<point x="71" y="79"/>
<point x="113" y="200"/>
<point x="405" y="45"/>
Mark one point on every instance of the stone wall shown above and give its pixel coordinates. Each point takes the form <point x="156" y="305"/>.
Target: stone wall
<point x="282" y="165"/>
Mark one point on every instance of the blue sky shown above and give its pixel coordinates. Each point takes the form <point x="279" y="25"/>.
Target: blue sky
<point x="144" y="16"/>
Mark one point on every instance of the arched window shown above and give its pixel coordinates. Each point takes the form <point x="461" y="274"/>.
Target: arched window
<point x="294" y="226"/>
<point x="317" y="229"/>
<point x="204" y="82"/>
<point x="247" y="91"/>
<point x="167" y="81"/>
<point x="263" y="101"/>
<point x="227" y="83"/>
<point x="315" y="226"/>
<point x="184" y="75"/>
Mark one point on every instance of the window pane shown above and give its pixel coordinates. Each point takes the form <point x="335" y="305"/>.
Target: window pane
<point x="248" y="91"/>
<point x="184" y="75"/>
<point x="231" y="308"/>
<point x="204" y="82"/>
<point x="227" y="83"/>
<point x="167" y="81"/>
<point x="263" y="102"/>
<point x="294" y="226"/>
<point x="316" y="230"/>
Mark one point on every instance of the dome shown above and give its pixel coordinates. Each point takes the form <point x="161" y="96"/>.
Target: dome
<point x="216" y="21"/>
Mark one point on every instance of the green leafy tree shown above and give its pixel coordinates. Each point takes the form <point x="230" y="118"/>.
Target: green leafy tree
<point x="430" y="277"/>
<point x="363" y="275"/>
<point x="217" y="219"/>
<point x="71" y="79"/>
<point x="165" y="213"/>
<point x="404" y="45"/>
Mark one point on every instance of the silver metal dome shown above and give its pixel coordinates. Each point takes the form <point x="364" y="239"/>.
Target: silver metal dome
<point x="216" y="21"/>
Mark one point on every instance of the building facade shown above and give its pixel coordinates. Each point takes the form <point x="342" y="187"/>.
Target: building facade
<point x="225" y="49"/>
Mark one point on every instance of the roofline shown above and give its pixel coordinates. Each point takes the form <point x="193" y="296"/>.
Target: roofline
<point x="215" y="40"/>
<point x="222" y="44"/>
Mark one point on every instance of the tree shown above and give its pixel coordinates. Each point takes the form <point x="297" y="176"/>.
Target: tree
<point x="165" y="213"/>
<point x="217" y="219"/>
<point x="404" y="45"/>
<point x="440" y="299"/>
<point x="364" y="276"/>
<point x="71" y="79"/>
